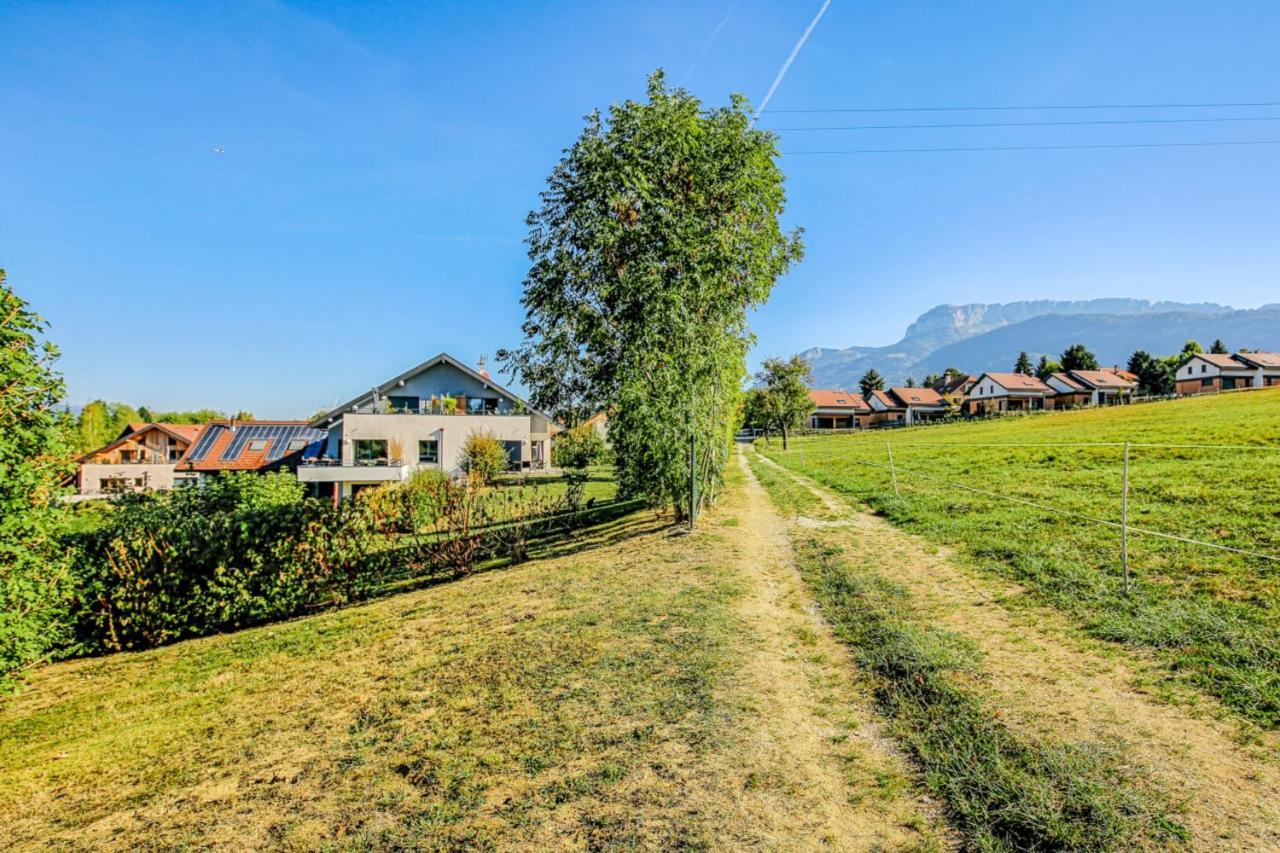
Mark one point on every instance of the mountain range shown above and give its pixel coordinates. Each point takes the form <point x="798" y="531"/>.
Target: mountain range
<point x="978" y="337"/>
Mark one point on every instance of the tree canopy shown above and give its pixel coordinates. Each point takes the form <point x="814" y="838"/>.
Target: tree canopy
<point x="1023" y="364"/>
<point x="34" y="459"/>
<point x="1219" y="348"/>
<point x="1046" y="368"/>
<point x="658" y="231"/>
<point x="870" y="381"/>
<point x="786" y="403"/>
<point x="1078" y="357"/>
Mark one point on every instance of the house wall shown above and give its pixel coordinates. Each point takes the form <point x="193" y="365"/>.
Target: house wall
<point x="90" y="475"/>
<point x="450" y="431"/>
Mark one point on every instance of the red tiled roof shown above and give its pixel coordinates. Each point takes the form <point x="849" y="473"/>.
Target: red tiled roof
<point x="1122" y="373"/>
<point x="1018" y="382"/>
<point x="834" y="398"/>
<point x="918" y="396"/>
<point x="1102" y="379"/>
<point x="248" y="459"/>
<point x="135" y="431"/>
<point x="886" y="399"/>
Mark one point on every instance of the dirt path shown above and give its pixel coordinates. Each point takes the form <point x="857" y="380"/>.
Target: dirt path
<point x="1046" y="677"/>
<point x="818" y="772"/>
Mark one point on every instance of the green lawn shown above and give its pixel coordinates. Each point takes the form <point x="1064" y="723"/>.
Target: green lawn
<point x="1212" y="616"/>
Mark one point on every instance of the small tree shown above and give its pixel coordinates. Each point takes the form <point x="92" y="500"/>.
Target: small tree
<point x="786" y="385"/>
<point x="1046" y="368"/>
<point x="871" y="381"/>
<point x="1190" y="349"/>
<point x="1155" y="375"/>
<point x="576" y="450"/>
<point x="933" y="380"/>
<point x="483" y="457"/>
<point x="911" y="382"/>
<point x="1218" y="347"/>
<point x="1023" y="365"/>
<point x="1078" y="357"/>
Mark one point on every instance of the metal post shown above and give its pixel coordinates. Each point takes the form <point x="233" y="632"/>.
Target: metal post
<point x="893" y="472"/>
<point x="1124" y="520"/>
<point x="693" y="480"/>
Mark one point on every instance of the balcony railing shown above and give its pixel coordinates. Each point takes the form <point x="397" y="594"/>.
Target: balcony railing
<point x="328" y="462"/>
<point x="438" y="410"/>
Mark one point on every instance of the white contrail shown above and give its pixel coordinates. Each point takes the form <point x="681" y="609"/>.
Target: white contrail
<point x="795" y="51"/>
<point x="706" y="46"/>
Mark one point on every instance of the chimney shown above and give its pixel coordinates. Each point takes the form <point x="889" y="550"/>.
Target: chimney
<point x="482" y="367"/>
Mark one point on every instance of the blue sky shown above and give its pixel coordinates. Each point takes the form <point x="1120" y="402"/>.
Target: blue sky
<point x="380" y="161"/>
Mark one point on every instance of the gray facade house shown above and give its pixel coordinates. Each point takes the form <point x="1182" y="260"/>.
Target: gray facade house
<point x="421" y="419"/>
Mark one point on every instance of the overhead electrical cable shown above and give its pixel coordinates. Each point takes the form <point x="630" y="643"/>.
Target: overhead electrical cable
<point x="1036" y="147"/>
<point x="1028" y="107"/>
<point x="1074" y="123"/>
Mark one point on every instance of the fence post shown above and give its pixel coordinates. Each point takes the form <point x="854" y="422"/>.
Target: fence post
<point x="893" y="472"/>
<point x="1124" y="520"/>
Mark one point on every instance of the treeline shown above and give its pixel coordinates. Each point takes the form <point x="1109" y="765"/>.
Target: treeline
<point x="100" y="422"/>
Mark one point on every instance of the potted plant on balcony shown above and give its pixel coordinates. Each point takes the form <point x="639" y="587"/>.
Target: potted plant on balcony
<point x="450" y="405"/>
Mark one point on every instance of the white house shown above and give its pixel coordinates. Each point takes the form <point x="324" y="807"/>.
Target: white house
<point x="1007" y="392"/>
<point x="1208" y="372"/>
<point x="422" y="418"/>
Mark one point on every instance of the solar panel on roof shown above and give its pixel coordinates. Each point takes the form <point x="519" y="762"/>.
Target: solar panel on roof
<point x="207" y="438"/>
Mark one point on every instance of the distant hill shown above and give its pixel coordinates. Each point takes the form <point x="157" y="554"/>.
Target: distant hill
<point x="981" y="337"/>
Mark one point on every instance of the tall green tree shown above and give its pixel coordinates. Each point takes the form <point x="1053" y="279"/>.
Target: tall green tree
<point x="1046" y="368"/>
<point x="1078" y="357"/>
<point x="34" y="458"/>
<point x="1155" y="375"/>
<point x="1023" y="364"/>
<point x="658" y="231"/>
<point x="787" y="404"/>
<point x="1219" y="347"/>
<point x="1190" y="349"/>
<point x="871" y="381"/>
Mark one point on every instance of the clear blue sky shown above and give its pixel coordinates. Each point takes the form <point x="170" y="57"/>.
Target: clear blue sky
<point x="380" y="161"/>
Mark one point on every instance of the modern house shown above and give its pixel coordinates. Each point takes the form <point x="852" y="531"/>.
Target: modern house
<point x="954" y="387"/>
<point x="262" y="446"/>
<point x="1007" y="392"/>
<point x="1067" y="392"/>
<point x="421" y="418"/>
<point x="1106" y="387"/>
<point x="142" y="458"/>
<point x="838" y="409"/>
<point x="1207" y="372"/>
<point x="921" y="404"/>
<point x="886" y="409"/>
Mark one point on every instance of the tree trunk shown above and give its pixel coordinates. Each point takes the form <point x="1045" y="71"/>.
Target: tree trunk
<point x="784" y="438"/>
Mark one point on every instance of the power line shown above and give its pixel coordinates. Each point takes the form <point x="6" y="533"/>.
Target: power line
<point x="1030" y="107"/>
<point x="1210" y="119"/>
<point x="1035" y="147"/>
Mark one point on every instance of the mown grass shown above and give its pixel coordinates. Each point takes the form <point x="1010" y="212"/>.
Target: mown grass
<point x="551" y="704"/>
<point x="1212" y="617"/>
<point x="1005" y="791"/>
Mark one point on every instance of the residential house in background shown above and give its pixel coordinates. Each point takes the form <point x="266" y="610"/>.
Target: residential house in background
<point x="838" y="409"/>
<point x="921" y="404"/>
<point x="261" y="446"/>
<point x="421" y="418"/>
<point x="954" y="387"/>
<point x="1007" y="392"/>
<point x="142" y="458"/>
<point x="1067" y="392"/>
<point x="885" y="409"/>
<point x="1106" y="387"/>
<point x="1208" y="372"/>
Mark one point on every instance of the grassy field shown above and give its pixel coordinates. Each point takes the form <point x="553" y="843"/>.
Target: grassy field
<point x="1212" y="617"/>
<point x="634" y="688"/>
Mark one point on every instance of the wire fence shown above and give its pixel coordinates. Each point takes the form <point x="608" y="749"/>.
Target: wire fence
<point x="899" y="474"/>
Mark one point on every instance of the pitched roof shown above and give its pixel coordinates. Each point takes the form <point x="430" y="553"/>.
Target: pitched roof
<point x="957" y="383"/>
<point x="887" y="400"/>
<point x="1218" y="359"/>
<point x="1121" y="372"/>
<point x="1018" y="382"/>
<point x="441" y="358"/>
<point x="918" y="396"/>
<point x="1066" y="379"/>
<point x="834" y="398"/>
<point x="187" y="433"/>
<point x="1261" y="359"/>
<point x="1102" y="379"/>
<point x="251" y="445"/>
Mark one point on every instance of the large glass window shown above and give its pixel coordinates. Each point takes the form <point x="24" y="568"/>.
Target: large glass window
<point x="429" y="451"/>
<point x="403" y="404"/>
<point x="370" y="449"/>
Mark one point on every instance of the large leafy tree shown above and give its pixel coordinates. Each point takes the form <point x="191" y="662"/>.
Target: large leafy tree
<point x="1023" y="365"/>
<point x="1218" y="347"/>
<point x="786" y="402"/>
<point x="870" y="381"/>
<point x="1155" y="375"/>
<point x="34" y="459"/>
<point x="658" y="231"/>
<point x="1078" y="357"/>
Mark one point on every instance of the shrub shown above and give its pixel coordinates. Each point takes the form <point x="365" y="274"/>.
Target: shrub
<point x="242" y="550"/>
<point x="484" y="457"/>
<point x="580" y="447"/>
